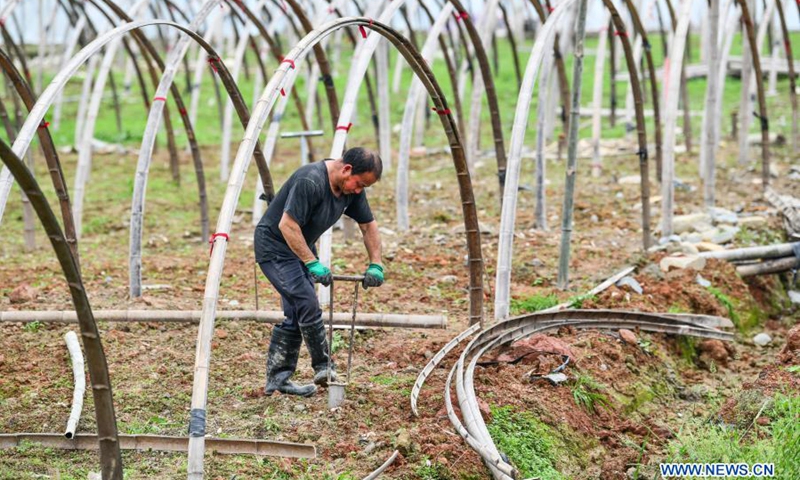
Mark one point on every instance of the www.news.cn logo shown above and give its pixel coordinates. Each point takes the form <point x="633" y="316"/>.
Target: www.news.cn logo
<point x="712" y="470"/>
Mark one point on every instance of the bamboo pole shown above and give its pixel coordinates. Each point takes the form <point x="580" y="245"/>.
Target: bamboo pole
<point x="597" y="93"/>
<point x="374" y="320"/>
<point x="79" y="378"/>
<point x="752" y="253"/>
<point x="769" y="266"/>
<point x="707" y="147"/>
<point x="544" y="43"/>
<point x="792" y="78"/>
<point x="572" y="149"/>
<point x="676" y="57"/>
<point x="762" y="103"/>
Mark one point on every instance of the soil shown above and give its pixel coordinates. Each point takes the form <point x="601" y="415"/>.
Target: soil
<point x="649" y="386"/>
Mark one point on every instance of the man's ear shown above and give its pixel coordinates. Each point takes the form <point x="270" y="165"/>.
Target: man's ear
<point x="347" y="169"/>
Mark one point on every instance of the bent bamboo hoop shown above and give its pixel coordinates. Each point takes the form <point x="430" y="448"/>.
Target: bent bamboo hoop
<point x="543" y="43"/>
<point x="87" y="132"/>
<point x="48" y="147"/>
<point x="521" y="327"/>
<point x="79" y="379"/>
<point x="260" y="113"/>
<point x="792" y="78"/>
<point x="110" y="459"/>
<point x="415" y="92"/>
<point x="148" y="141"/>
<point x="386" y="464"/>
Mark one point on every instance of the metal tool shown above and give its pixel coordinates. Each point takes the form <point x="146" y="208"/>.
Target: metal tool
<point x="336" y="390"/>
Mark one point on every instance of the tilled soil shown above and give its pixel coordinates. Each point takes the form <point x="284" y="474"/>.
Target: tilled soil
<point x="650" y="389"/>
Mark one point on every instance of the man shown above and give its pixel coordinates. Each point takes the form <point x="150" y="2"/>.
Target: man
<point x="309" y="203"/>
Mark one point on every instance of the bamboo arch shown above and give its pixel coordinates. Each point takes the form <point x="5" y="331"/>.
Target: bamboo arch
<point x="260" y="113"/>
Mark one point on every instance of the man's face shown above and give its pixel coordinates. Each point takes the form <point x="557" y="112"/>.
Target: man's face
<point x="354" y="184"/>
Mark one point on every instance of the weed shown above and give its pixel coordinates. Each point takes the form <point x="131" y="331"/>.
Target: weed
<point x="533" y="303"/>
<point x="33" y="327"/>
<point x="577" y="301"/>
<point x="726" y="302"/>
<point x="432" y="471"/>
<point x="687" y="346"/>
<point x="337" y="343"/>
<point x="793" y="369"/>
<point x="527" y="442"/>
<point x="586" y="393"/>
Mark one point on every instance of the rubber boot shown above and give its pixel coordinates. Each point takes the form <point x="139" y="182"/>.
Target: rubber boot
<point x="284" y="348"/>
<point x="316" y="340"/>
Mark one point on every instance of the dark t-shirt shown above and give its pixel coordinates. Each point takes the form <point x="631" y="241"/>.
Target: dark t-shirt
<point x="308" y="198"/>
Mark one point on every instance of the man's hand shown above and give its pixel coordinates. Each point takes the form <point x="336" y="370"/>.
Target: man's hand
<point x="320" y="273"/>
<point x="373" y="277"/>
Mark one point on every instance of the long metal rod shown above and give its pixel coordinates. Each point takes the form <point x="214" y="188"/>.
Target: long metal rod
<point x="162" y="443"/>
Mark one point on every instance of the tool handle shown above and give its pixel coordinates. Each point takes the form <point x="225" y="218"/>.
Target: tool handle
<point x="348" y="278"/>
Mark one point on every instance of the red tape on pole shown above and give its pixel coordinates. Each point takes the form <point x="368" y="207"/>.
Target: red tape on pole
<point x="346" y="128"/>
<point x="214" y="237"/>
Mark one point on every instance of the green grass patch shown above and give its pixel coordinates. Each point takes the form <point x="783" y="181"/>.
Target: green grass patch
<point x="778" y="442"/>
<point x="586" y="393"/>
<point x="527" y="441"/>
<point x="533" y="303"/>
<point x="432" y="471"/>
<point x="726" y="302"/>
<point x="577" y="301"/>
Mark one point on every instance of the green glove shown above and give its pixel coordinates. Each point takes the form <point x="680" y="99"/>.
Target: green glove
<point x="319" y="272"/>
<point x="373" y="277"/>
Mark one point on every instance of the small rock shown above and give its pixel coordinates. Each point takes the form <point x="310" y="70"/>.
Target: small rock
<point x="631" y="283"/>
<point x="220" y="333"/>
<point x="794" y="296"/>
<point x="753" y="222"/>
<point x="702" y="281"/>
<point x="428" y="354"/>
<point x="450" y="279"/>
<point x="555" y="378"/>
<point x="630" y="180"/>
<point x="94" y="476"/>
<point x="693" y="262"/>
<point x="671" y="239"/>
<point x="234" y="303"/>
<point x="792" y="347"/>
<point x="370" y="447"/>
<point x="536" y="263"/>
<point x="762" y="339"/>
<point x="695" y="393"/>
<point x="694" y="237"/>
<point x="631" y="473"/>
<point x="594" y="218"/>
<point x="686" y="223"/>
<point x="721" y="215"/>
<point x="603" y="367"/>
<point x="402" y="441"/>
<point x="23" y="293"/>
<point x="653" y="271"/>
<point x="708" y="247"/>
<point x="721" y="234"/>
<point x="299" y="408"/>
<point x="627" y="336"/>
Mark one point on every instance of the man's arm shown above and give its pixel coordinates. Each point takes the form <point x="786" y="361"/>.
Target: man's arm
<point x="372" y="240"/>
<point x="294" y="238"/>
